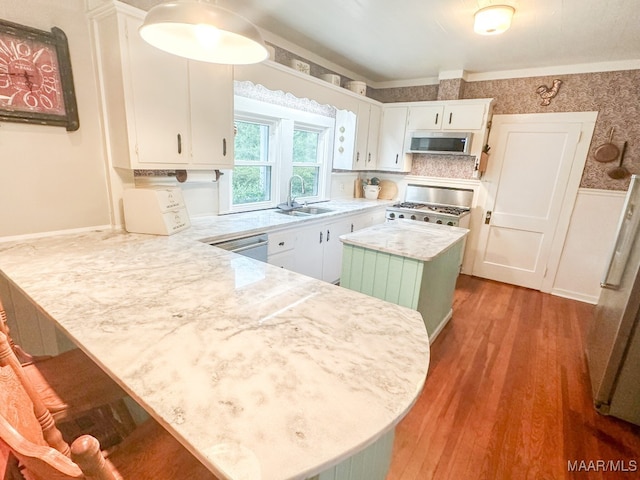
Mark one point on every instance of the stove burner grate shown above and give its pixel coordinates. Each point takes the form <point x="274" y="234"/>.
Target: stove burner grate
<point x="409" y="205"/>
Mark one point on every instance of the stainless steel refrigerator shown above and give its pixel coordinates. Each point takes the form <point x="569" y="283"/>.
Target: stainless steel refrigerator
<point x="613" y="342"/>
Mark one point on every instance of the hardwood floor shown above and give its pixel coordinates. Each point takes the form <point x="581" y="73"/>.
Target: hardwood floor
<point x="508" y="394"/>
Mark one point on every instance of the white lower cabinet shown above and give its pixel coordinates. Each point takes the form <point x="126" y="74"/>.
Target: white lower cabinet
<point x="286" y="260"/>
<point x="316" y="250"/>
<point x="281" y="251"/>
<point x="364" y="220"/>
<point x="319" y="250"/>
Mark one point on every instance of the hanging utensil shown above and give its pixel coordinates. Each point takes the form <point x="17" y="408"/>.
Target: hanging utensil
<point x="607" y="152"/>
<point x="620" y="172"/>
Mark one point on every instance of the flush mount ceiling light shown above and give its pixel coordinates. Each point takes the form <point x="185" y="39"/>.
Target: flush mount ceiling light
<point x="493" y="19"/>
<point x="199" y="30"/>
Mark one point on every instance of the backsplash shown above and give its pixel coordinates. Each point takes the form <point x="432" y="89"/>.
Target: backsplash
<point x="443" y="166"/>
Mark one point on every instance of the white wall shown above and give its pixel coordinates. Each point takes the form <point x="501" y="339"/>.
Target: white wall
<point x="51" y="179"/>
<point x="588" y="243"/>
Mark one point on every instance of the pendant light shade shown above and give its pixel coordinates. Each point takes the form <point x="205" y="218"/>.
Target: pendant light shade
<point x="199" y="30"/>
<point x="493" y="19"/>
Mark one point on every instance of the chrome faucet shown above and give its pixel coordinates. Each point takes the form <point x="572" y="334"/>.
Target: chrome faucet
<point x="290" y="198"/>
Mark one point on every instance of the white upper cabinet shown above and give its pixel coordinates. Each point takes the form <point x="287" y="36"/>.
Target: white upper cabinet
<point x="212" y="138"/>
<point x="455" y="115"/>
<point x="375" y="115"/>
<point x="158" y="113"/>
<point x="344" y="141"/>
<point x="464" y="117"/>
<point x="425" y="117"/>
<point x="356" y="138"/>
<point x="162" y="111"/>
<point x="366" y="151"/>
<point x="391" y="155"/>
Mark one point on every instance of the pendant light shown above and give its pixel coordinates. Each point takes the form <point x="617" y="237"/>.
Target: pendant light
<point x="200" y="30"/>
<point x="493" y="19"/>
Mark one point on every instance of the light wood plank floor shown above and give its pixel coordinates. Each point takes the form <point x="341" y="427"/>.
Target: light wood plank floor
<point x="508" y="394"/>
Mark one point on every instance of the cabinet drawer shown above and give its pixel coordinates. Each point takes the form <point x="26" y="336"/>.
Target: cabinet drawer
<point x="281" y="242"/>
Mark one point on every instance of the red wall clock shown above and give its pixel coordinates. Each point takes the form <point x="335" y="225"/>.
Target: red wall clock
<point x="36" y="82"/>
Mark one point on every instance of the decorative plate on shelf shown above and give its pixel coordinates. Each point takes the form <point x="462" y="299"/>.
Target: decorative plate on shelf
<point x="300" y="66"/>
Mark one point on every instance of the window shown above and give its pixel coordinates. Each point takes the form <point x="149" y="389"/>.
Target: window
<point x="306" y="161"/>
<point x="273" y="144"/>
<point x="252" y="172"/>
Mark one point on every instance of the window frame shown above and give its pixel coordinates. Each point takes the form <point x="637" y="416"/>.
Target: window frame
<point x="270" y="161"/>
<point x="284" y="120"/>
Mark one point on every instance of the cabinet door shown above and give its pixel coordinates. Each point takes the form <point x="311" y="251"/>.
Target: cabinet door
<point x="157" y="103"/>
<point x="379" y="216"/>
<point x="344" y="141"/>
<point x="332" y="254"/>
<point x="362" y="136"/>
<point x="375" y="112"/>
<point x="211" y="105"/>
<point x="286" y="260"/>
<point x="367" y="219"/>
<point x="391" y="154"/>
<point x="308" y="251"/>
<point x="428" y="117"/>
<point x="464" y="117"/>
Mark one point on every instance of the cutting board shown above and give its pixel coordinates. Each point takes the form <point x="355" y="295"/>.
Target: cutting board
<point x="388" y="190"/>
<point x="357" y="188"/>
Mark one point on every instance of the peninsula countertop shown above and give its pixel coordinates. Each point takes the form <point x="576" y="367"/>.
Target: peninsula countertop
<point x="260" y="372"/>
<point x="407" y="238"/>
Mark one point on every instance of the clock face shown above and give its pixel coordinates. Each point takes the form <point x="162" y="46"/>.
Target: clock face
<point x="29" y="76"/>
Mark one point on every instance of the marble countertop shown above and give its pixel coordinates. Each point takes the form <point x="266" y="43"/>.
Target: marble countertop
<point x="407" y="238"/>
<point x="262" y="373"/>
<point x="223" y="227"/>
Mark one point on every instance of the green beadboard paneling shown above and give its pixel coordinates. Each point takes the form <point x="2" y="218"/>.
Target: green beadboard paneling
<point x="438" y="286"/>
<point x="372" y="463"/>
<point x="427" y="287"/>
<point x="382" y="271"/>
<point x="368" y="275"/>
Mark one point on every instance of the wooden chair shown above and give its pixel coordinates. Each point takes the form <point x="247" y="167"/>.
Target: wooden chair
<point x="28" y="430"/>
<point x="56" y="379"/>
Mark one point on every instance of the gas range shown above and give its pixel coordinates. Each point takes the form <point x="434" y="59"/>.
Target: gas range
<point x="441" y="205"/>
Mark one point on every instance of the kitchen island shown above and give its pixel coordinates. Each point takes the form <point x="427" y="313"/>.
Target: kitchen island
<point x="407" y="263"/>
<point x="260" y="372"/>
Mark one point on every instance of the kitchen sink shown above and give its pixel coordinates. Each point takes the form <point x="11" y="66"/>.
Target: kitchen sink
<point x="304" y="211"/>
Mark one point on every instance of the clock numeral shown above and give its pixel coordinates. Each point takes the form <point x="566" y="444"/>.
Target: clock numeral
<point x="49" y="84"/>
<point x="47" y="68"/>
<point x="32" y="100"/>
<point x="46" y="102"/>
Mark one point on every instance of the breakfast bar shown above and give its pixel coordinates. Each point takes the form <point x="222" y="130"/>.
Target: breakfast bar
<point x="260" y="372"/>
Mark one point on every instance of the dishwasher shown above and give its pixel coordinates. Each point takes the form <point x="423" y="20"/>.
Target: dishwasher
<point x="254" y="246"/>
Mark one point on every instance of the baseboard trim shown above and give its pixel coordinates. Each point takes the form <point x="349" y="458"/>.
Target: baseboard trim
<point x="581" y="297"/>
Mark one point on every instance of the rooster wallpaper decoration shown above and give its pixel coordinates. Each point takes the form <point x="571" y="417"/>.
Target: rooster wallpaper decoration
<point x="546" y="93"/>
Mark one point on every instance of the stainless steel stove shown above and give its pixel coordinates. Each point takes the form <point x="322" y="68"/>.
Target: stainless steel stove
<point x="427" y="203"/>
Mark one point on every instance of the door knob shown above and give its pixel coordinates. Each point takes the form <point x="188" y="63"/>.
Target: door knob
<point x="487" y="217"/>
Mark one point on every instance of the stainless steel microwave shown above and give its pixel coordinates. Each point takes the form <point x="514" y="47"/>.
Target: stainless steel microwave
<point x="449" y="143"/>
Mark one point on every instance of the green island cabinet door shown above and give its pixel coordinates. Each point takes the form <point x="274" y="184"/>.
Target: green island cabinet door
<point x="425" y="286"/>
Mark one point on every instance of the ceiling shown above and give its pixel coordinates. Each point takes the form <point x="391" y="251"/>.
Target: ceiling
<point x="380" y="41"/>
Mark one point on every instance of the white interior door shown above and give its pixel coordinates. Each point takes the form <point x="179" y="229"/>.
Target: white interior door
<point x="526" y="182"/>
